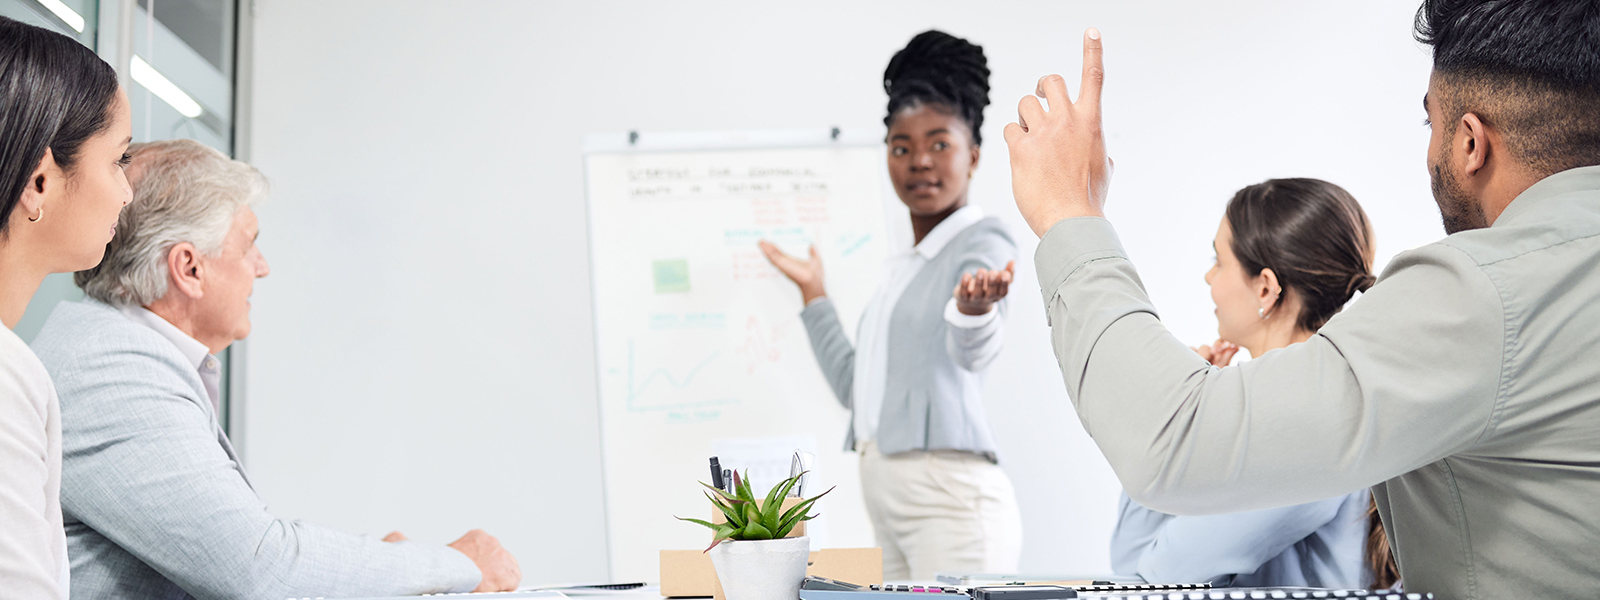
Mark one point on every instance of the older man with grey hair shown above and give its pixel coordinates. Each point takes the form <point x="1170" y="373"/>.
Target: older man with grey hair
<point x="156" y="503"/>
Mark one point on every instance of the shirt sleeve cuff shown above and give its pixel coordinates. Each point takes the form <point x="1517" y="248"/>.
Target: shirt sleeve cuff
<point x="1068" y="246"/>
<point x="956" y="318"/>
<point x="815" y="301"/>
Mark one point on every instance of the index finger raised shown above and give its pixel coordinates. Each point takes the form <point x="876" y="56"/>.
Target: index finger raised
<point x="1094" y="71"/>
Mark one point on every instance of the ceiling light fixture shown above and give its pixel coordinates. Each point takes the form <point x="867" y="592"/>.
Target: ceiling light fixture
<point x="72" y="17"/>
<point x="163" y="88"/>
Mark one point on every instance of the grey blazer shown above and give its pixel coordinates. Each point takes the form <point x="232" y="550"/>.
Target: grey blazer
<point x="156" y="504"/>
<point x="925" y="405"/>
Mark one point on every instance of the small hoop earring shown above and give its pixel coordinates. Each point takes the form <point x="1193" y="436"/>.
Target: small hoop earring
<point x="36" y="219"/>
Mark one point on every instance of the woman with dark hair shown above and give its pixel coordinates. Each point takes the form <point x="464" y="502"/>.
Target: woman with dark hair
<point x="64" y="134"/>
<point x="936" y="496"/>
<point x="1289" y="254"/>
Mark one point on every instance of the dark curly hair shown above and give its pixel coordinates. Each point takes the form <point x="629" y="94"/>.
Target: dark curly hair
<point x="937" y="68"/>
<point x="1528" y="68"/>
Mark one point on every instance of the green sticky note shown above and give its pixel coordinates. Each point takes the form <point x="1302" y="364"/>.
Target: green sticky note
<point x="672" y="276"/>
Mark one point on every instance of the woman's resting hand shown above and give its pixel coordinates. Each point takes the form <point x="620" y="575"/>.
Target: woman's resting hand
<point x="1219" y="353"/>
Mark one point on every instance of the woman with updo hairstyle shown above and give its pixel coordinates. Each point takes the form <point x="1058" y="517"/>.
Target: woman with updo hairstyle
<point x="64" y="134"/>
<point x="934" y="491"/>
<point x="1290" y="253"/>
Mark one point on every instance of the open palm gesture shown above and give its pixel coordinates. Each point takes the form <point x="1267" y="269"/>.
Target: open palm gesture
<point x="805" y="273"/>
<point x="978" y="291"/>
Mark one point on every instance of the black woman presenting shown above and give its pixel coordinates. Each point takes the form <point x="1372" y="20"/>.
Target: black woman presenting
<point x="936" y="496"/>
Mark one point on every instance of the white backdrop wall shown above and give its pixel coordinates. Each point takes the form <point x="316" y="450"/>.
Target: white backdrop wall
<point x="423" y="356"/>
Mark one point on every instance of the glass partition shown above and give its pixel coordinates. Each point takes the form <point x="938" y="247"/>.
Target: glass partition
<point x="182" y="66"/>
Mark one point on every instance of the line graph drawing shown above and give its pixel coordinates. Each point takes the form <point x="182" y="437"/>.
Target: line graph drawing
<point x="637" y="387"/>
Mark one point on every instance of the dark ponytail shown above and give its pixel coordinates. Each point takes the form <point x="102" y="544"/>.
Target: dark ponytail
<point x="1312" y="234"/>
<point x="941" y="69"/>
<point x="54" y="93"/>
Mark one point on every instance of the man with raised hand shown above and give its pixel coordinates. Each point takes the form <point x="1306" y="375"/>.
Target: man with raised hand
<point x="1464" y="387"/>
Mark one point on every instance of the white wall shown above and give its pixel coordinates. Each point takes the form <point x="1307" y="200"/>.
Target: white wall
<point x="423" y="357"/>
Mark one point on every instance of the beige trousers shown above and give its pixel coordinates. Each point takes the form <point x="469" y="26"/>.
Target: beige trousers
<point x="940" y="511"/>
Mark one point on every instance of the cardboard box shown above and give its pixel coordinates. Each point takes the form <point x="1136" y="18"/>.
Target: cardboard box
<point x="689" y="573"/>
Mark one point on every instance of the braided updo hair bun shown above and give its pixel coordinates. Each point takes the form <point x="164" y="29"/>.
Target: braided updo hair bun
<point x="939" y="68"/>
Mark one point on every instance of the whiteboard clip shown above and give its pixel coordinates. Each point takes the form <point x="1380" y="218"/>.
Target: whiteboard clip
<point x="834" y="135"/>
<point x="633" y="138"/>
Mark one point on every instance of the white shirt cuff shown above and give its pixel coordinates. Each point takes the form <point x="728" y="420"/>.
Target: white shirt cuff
<point x="956" y="318"/>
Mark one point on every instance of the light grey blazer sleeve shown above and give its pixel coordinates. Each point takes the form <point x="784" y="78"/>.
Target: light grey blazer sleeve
<point x="155" y="499"/>
<point x="975" y="348"/>
<point x="834" y="353"/>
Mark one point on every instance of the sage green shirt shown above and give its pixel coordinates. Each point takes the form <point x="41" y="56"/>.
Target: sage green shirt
<point x="1465" y="386"/>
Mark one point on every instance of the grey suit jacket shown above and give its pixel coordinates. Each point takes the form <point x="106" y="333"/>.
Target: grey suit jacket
<point x="1465" y="385"/>
<point x="156" y="504"/>
<point x="925" y="406"/>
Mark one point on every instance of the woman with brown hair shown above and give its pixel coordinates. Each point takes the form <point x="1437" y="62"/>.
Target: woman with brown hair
<point x="1289" y="254"/>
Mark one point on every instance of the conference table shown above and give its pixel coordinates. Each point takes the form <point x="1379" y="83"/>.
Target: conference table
<point x="653" y="592"/>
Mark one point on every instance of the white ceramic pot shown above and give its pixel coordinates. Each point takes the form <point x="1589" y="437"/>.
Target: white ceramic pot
<point x="762" y="569"/>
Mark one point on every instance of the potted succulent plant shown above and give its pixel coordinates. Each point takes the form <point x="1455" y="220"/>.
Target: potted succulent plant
<point x="753" y="558"/>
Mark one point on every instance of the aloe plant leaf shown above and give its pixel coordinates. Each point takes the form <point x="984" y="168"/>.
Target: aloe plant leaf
<point x="742" y="486"/>
<point x="723" y="533"/>
<point x="774" y="503"/>
<point x="737" y="519"/>
<point x="799" y="518"/>
<point x="804" y="506"/>
<point x="754" y="531"/>
<point x="781" y="490"/>
<point x="722" y="506"/>
<point x="730" y="513"/>
<point x="751" y="515"/>
<point x="709" y="524"/>
<point x="733" y="514"/>
<point x="725" y="495"/>
<point x="797" y="510"/>
<point x="787" y="526"/>
<point x="769" y="517"/>
<point x="748" y="519"/>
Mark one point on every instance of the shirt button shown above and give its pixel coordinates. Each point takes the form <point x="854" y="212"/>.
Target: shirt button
<point x="211" y="363"/>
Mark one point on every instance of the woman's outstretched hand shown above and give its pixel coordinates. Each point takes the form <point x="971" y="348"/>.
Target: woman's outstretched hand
<point x="1219" y="353"/>
<point x="1059" y="167"/>
<point x="978" y="291"/>
<point x="805" y="273"/>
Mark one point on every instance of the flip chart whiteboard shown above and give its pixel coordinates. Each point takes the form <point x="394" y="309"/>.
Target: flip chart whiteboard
<point x="698" y="337"/>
